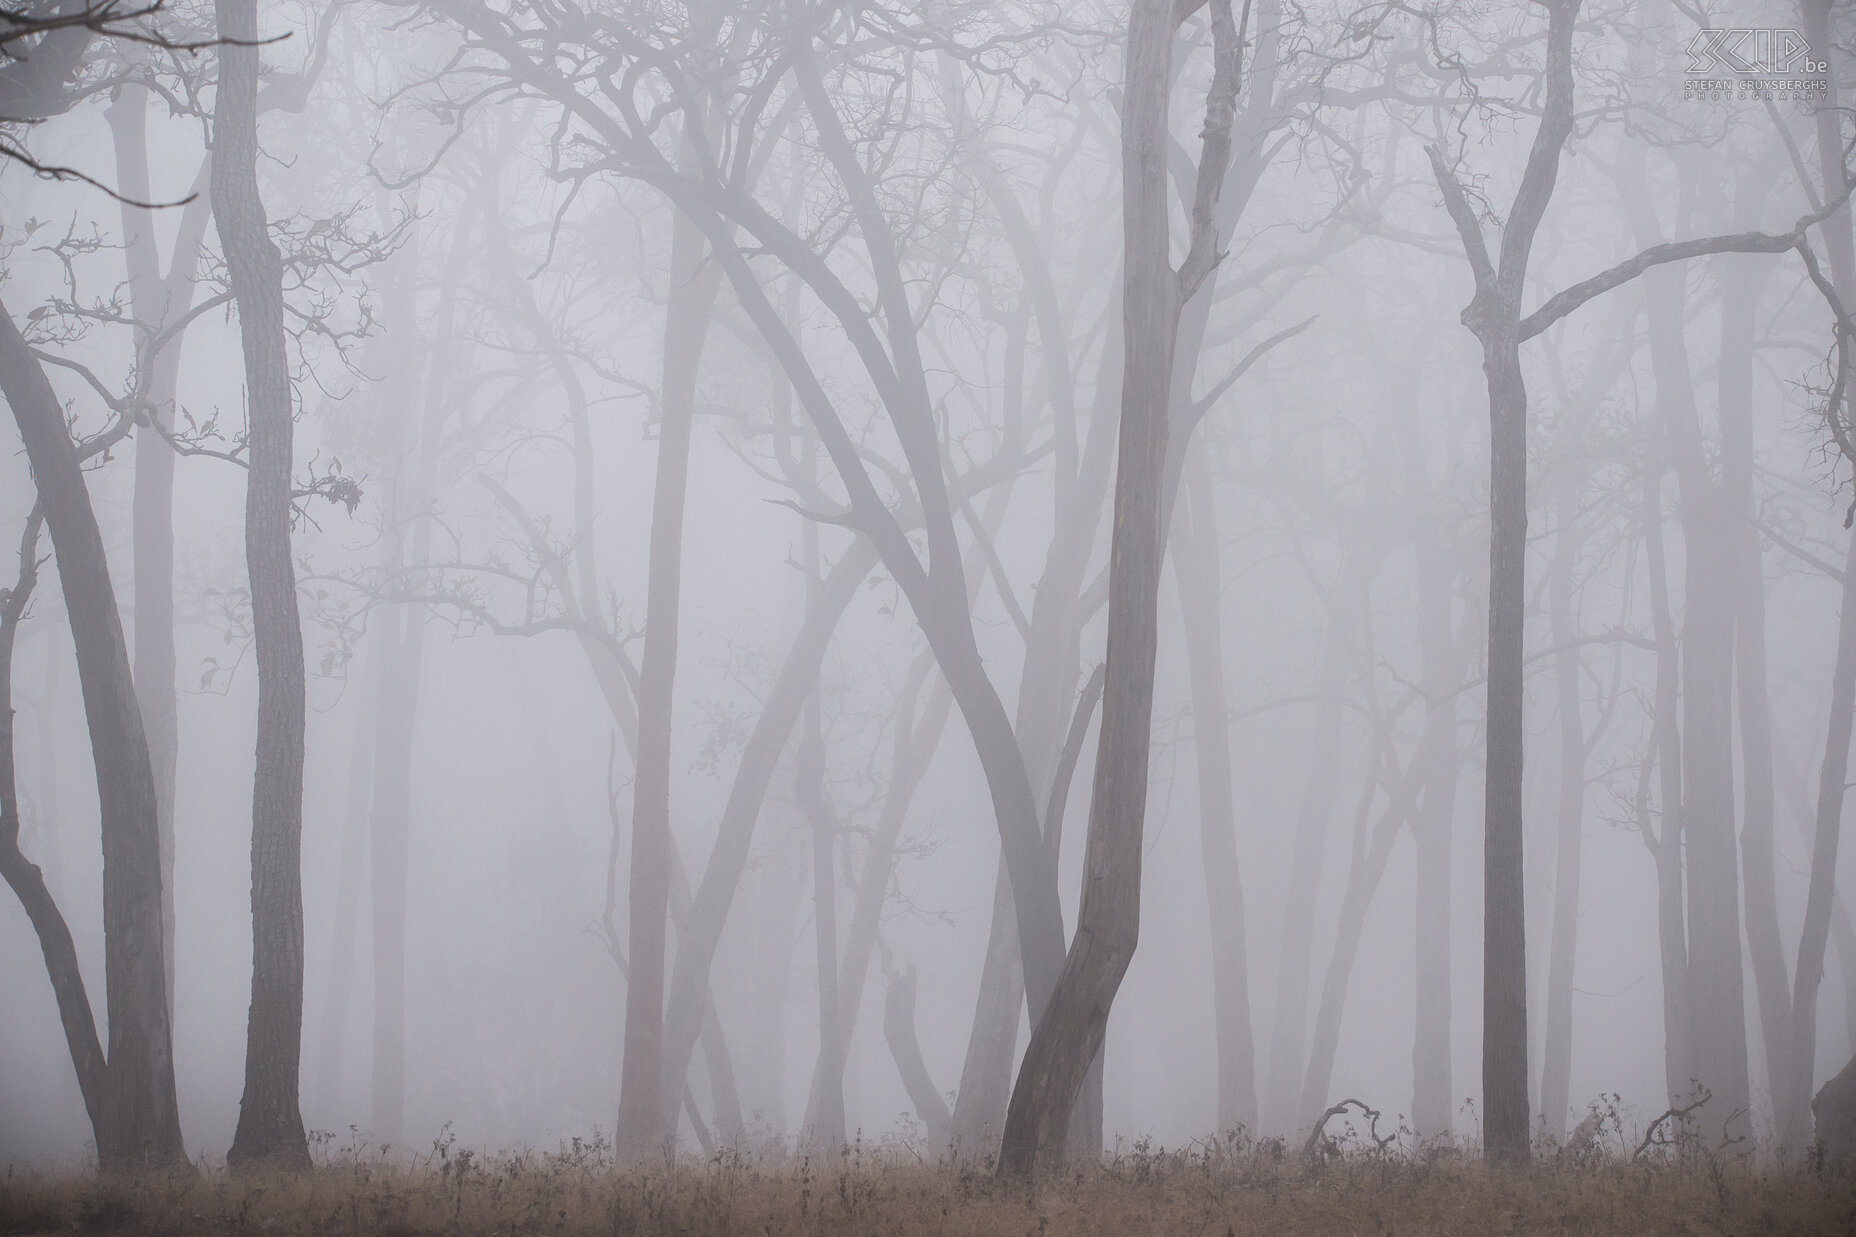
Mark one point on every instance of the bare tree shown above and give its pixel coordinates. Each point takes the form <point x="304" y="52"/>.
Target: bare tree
<point x="270" y="1128"/>
<point x="1068" y="1032"/>
<point x="135" y="1112"/>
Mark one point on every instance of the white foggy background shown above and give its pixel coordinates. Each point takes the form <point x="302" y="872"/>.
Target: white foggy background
<point x="515" y="1010"/>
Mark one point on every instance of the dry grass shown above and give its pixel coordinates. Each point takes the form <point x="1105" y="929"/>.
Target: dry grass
<point x="861" y="1192"/>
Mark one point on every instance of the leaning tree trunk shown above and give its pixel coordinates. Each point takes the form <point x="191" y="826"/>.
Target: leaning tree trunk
<point x="270" y="1124"/>
<point x="138" y="1117"/>
<point x="1072" y="1024"/>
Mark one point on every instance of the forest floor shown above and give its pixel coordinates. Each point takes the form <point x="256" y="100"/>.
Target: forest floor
<point x="1204" y="1192"/>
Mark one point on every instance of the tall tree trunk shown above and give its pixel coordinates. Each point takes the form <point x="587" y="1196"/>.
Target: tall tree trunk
<point x="1433" y="1096"/>
<point x="641" y="1124"/>
<point x="1832" y="782"/>
<point x="270" y="1124"/>
<point x="1295" y="957"/>
<point x="1069" y="1029"/>
<point x="338" y="999"/>
<point x="1666" y="844"/>
<point x="405" y="549"/>
<point x="1196" y="573"/>
<point x="1556" y="1069"/>
<point x="1372" y="850"/>
<point x="826" y="1122"/>
<point x="155" y="303"/>
<point x="1743" y="280"/>
<point x="1504" y="920"/>
<point x="1716" y="980"/>
<point x="139" y="1123"/>
<point x="1493" y="316"/>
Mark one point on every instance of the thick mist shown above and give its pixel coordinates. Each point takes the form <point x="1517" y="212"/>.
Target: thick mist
<point x="711" y="497"/>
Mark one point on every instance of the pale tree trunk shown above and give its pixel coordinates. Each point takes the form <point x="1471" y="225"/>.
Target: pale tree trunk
<point x="138" y="1116"/>
<point x="1666" y="844"/>
<point x="899" y="1032"/>
<point x="1295" y="957"/>
<point x="270" y="1125"/>
<point x="1716" y="980"/>
<point x="641" y="1126"/>
<point x="1069" y="1030"/>
<point x="1196" y="573"/>
<point x="338" y="998"/>
<point x="1743" y="280"/>
<point x="156" y="302"/>
<point x="825" y="1121"/>
<point x="405" y="549"/>
<point x="398" y="329"/>
<point x="915" y="746"/>
<point x="1556" y="1068"/>
<point x="1433" y="1096"/>
<point x="1372" y="850"/>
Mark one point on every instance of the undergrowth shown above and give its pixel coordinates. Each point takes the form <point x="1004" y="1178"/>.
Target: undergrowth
<point x="1222" y="1188"/>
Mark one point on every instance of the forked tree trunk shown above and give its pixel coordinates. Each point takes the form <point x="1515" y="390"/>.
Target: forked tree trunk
<point x="1493" y="315"/>
<point x="1069" y="1030"/>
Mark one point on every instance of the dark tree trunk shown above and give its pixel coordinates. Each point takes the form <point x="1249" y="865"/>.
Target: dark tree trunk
<point x="1494" y="316"/>
<point x="270" y="1124"/>
<point x="139" y="1120"/>
<point x="1504" y="919"/>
